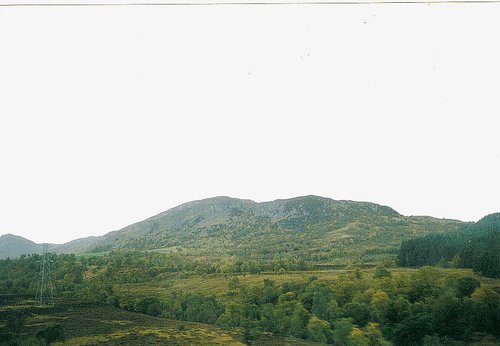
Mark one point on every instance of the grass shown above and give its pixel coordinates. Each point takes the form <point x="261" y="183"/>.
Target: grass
<point x="218" y="284"/>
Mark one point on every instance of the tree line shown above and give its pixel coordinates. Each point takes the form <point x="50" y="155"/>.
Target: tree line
<point x="68" y="271"/>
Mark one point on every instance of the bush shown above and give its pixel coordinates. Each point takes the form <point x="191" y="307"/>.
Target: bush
<point x="466" y="285"/>
<point x="381" y="272"/>
<point x="51" y="334"/>
<point x="359" y="312"/>
<point x="318" y="330"/>
<point x="149" y="306"/>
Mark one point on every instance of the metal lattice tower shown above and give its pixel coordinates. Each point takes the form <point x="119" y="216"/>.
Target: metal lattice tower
<point x="45" y="287"/>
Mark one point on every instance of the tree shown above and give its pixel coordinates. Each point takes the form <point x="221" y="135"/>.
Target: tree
<point x="318" y="330"/>
<point x="412" y="330"/>
<point x="487" y="306"/>
<point x="316" y="298"/>
<point x="381" y="272"/>
<point x="233" y="315"/>
<point x="51" y="334"/>
<point x="466" y="285"/>
<point x="380" y="304"/>
<point x="299" y="321"/>
<point x="359" y="312"/>
<point x="270" y="292"/>
<point x="447" y="313"/>
<point x="341" y="331"/>
<point x="424" y="283"/>
<point x="149" y="306"/>
<point x="202" y="309"/>
<point x="375" y="336"/>
<point x="358" y="338"/>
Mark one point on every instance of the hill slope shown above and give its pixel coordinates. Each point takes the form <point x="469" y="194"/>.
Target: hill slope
<point x="309" y="226"/>
<point x="14" y="246"/>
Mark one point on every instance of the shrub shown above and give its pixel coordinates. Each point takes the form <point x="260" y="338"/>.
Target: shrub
<point x="51" y="334"/>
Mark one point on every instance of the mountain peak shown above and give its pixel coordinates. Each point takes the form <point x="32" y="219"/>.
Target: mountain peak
<point x="13" y="245"/>
<point x="10" y="237"/>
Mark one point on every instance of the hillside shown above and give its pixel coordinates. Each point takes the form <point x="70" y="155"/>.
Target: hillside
<point x="312" y="227"/>
<point x="14" y="246"/>
<point x="77" y="245"/>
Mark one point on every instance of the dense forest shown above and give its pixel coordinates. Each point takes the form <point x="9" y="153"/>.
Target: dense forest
<point x="475" y="246"/>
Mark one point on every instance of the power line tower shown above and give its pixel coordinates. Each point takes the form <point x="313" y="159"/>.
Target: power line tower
<point x="45" y="287"/>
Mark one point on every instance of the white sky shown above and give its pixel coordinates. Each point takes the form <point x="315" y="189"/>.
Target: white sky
<point x="111" y="115"/>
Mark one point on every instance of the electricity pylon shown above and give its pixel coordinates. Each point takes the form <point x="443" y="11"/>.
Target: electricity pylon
<point x="45" y="287"/>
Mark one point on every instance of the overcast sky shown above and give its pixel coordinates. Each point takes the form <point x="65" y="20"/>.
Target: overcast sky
<point x="111" y="115"/>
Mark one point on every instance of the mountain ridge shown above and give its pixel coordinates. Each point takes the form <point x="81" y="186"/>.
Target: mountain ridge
<point x="224" y="225"/>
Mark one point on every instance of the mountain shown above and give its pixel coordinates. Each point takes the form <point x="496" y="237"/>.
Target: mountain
<point x="311" y="227"/>
<point x="14" y="246"/>
<point x="308" y="226"/>
<point x="77" y="245"/>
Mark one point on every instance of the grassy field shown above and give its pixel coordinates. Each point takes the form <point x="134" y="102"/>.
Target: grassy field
<point x="218" y="284"/>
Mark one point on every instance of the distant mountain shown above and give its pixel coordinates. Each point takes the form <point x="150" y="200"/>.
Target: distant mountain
<point x="77" y="245"/>
<point x="14" y="246"/>
<point x="310" y="226"/>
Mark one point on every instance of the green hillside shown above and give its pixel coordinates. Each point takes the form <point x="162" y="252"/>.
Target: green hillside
<point x="309" y="227"/>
